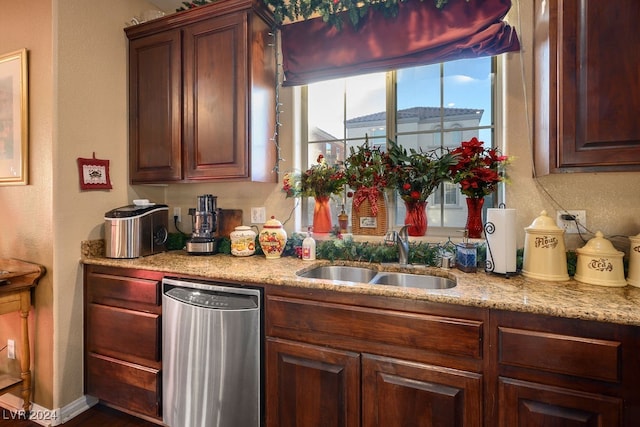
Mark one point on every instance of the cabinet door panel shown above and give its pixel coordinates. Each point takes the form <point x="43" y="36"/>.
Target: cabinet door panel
<point x="155" y="108"/>
<point x="415" y="331"/>
<point x="529" y="404"/>
<point x="215" y="88"/>
<point x="124" y="384"/>
<point x="311" y="386"/>
<point x="126" y="334"/>
<point x="125" y="292"/>
<point x="399" y="393"/>
<point x="570" y="355"/>
<point x="587" y="86"/>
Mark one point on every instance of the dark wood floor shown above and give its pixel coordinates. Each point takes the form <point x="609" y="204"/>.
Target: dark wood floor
<point x="97" y="416"/>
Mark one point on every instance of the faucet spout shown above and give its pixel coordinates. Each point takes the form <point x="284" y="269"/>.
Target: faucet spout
<point x="403" y="245"/>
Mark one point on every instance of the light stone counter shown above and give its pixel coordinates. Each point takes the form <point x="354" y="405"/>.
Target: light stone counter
<point x="563" y="299"/>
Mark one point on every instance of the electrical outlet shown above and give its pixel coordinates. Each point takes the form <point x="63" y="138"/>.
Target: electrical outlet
<point x="11" y="349"/>
<point x="177" y="212"/>
<point x="258" y="215"/>
<point x="569" y="225"/>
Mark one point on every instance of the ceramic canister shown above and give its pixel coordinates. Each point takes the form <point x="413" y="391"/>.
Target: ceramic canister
<point x="599" y="263"/>
<point x="272" y="239"/>
<point x="243" y="241"/>
<point x="545" y="256"/>
<point x="633" y="277"/>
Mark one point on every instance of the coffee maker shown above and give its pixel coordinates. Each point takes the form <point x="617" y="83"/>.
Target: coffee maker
<point x="203" y="221"/>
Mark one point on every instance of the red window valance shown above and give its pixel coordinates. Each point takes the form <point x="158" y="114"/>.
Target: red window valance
<point x="421" y="34"/>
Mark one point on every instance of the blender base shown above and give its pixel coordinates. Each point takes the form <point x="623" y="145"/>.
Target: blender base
<point x="201" y="247"/>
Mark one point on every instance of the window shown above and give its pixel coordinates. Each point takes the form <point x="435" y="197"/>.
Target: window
<point x="427" y="107"/>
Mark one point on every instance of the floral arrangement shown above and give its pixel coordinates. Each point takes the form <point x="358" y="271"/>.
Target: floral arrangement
<point x="320" y="180"/>
<point x="367" y="167"/>
<point x="367" y="173"/>
<point x="478" y="170"/>
<point x="330" y="10"/>
<point x="416" y="174"/>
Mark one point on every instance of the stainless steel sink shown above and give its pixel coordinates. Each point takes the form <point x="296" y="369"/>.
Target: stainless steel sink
<point x="341" y="273"/>
<point x="407" y="280"/>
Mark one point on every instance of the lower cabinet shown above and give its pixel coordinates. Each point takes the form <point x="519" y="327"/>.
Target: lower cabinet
<point x="123" y="353"/>
<point x="310" y="386"/>
<point x="564" y="372"/>
<point x="331" y="363"/>
<point x="525" y="403"/>
<point x="402" y="393"/>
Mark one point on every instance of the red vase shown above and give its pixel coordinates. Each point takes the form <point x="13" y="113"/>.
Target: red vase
<point x="474" y="217"/>
<point x="416" y="216"/>
<point x="322" y="215"/>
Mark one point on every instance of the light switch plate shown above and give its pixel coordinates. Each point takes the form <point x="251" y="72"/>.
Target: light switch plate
<point x="258" y="215"/>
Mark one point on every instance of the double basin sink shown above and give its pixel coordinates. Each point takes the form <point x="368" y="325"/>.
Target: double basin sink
<point x="346" y="275"/>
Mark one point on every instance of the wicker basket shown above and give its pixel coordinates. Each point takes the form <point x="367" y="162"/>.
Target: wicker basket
<point x="364" y="222"/>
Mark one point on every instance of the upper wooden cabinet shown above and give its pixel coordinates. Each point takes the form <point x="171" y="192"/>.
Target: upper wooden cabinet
<point x="202" y="95"/>
<point x="587" y="86"/>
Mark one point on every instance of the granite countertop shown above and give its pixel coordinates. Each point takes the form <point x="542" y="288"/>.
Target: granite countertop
<point x="569" y="299"/>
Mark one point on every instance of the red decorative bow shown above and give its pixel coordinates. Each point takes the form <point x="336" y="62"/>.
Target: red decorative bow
<point x="367" y="193"/>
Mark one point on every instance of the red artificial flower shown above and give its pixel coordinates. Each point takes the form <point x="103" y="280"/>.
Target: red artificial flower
<point x="406" y="186"/>
<point x="477" y="169"/>
<point x="415" y="195"/>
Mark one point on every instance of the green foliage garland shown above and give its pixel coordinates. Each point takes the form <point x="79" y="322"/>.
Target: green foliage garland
<point x="328" y="10"/>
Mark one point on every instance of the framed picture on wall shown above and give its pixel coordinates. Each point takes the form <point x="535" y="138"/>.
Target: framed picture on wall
<point x="14" y="118"/>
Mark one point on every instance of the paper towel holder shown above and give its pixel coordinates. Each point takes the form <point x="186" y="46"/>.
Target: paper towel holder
<point x="489" y="229"/>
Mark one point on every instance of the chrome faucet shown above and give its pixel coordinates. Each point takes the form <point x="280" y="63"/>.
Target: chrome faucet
<point x="401" y="239"/>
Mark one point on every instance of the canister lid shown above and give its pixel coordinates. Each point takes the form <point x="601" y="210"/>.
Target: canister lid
<point x="273" y="223"/>
<point x="635" y="238"/>
<point x="242" y="228"/>
<point x="544" y="223"/>
<point x="599" y="246"/>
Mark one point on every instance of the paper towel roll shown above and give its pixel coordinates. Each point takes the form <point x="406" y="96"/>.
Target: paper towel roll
<point x="500" y="231"/>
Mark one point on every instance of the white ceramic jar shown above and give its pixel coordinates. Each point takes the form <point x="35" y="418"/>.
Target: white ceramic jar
<point x="545" y="256"/>
<point x="243" y="241"/>
<point x="272" y="239"/>
<point x="599" y="263"/>
<point x="633" y="277"/>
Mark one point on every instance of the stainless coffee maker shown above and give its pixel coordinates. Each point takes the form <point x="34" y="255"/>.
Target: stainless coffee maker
<point x="203" y="221"/>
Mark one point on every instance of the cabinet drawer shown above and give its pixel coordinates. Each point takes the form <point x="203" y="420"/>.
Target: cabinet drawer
<point x="122" y="291"/>
<point x="416" y="331"/>
<point x="565" y="354"/>
<point x="122" y="332"/>
<point x="128" y="385"/>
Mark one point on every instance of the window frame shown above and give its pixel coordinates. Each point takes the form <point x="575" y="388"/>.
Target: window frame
<point x="496" y="199"/>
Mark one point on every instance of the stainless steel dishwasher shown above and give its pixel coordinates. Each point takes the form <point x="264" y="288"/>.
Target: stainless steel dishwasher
<point x="211" y="354"/>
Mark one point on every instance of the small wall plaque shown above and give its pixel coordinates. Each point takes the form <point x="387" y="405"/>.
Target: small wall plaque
<point x="94" y="174"/>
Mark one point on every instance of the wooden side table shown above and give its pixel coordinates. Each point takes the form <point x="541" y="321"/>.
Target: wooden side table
<point x="17" y="278"/>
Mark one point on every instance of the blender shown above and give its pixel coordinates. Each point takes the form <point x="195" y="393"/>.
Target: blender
<point x="203" y="221"/>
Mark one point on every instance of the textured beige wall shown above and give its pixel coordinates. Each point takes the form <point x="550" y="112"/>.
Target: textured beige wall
<point x="26" y="211"/>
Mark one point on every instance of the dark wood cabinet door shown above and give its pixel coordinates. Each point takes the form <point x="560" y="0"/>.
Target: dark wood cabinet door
<point x="215" y="98"/>
<point x="587" y="86"/>
<point x="311" y="386"/>
<point x="397" y="393"/>
<point x="155" y="108"/>
<point x="526" y="404"/>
